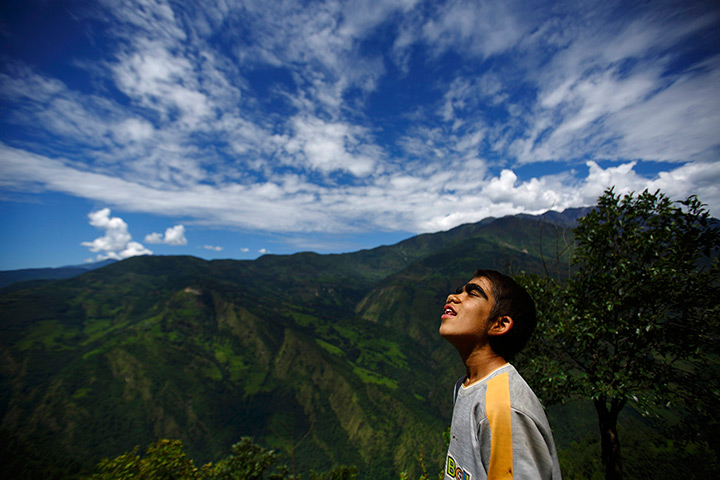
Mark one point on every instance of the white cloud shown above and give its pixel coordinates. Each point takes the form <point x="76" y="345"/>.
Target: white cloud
<point x="614" y="91"/>
<point x="173" y="236"/>
<point x="704" y="178"/>
<point x="262" y="251"/>
<point x="213" y="247"/>
<point x="117" y="242"/>
<point x="479" y="28"/>
<point x="133" y="129"/>
<point x="424" y="198"/>
<point x="319" y="42"/>
<point x="333" y="146"/>
<point x="154" y="238"/>
<point x="163" y="82"/>
<point x="680" y="122"/>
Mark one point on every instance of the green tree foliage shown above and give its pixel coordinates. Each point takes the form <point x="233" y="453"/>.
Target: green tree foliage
<point x="163" y="460"/>
<point x="341" y="472"/>
<point x="21" y="460"/>
<point x="167" y="460"/>
<point x="423" y="469"/>
<point x="247" y="461"/>
<point x="647" y="454"/>
<point x="637" y="321"/>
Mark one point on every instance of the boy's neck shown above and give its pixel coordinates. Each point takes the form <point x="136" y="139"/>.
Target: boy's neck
<point x="481" y="363"/>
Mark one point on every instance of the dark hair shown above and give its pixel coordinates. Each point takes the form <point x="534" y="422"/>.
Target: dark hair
<point x="514" y="301"/>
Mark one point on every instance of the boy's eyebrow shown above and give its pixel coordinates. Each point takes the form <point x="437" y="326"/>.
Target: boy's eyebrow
<point x="472" y="287"/>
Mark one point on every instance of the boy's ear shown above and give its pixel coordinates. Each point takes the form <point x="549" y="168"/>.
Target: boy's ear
<point x="501" y="325"/>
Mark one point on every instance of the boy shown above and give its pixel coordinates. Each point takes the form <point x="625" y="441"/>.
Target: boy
<point x="499" y="429"/>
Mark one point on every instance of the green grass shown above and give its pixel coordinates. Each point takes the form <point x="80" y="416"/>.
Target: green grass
<point x="49" y="334"/>
<point x="330" y="348"/>
<point x="380" y="351"/>
<point x="81" y="393"/>
<point x="254" y="382"/>
<point x="304" y="320"/>
<point x="235" y="364"/>
<point x="371" y="377"/>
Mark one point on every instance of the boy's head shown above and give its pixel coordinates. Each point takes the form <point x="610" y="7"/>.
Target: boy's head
<point x="491" y="307"/>
<point x="513" y="301"/>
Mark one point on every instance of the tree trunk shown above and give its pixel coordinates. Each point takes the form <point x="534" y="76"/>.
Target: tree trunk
<point x="611" y="459"/>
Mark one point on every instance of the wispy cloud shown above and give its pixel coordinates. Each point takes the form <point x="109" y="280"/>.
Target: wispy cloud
<point x="616" y="91"/>
<point x="478" y="28"/>
<point x="329" y="147"/>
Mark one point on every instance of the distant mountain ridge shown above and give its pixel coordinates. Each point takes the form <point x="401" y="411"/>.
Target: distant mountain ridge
<point x="8" y="277"/>
<point x="567" y="218"/>
<point x="340" y="350"/>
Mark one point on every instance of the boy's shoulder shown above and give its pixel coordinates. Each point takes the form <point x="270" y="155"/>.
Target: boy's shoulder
<point x="479" y="387"/>
<point x="502" y="386"/>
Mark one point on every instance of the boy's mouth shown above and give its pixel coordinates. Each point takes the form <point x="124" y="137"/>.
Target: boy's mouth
<point x="449" y="310"/>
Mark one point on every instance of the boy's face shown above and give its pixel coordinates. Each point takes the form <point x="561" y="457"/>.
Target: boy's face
<point x="465" y="315"/>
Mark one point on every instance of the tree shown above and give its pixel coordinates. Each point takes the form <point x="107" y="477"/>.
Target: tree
<point x="247" y="461"/>
<point x="341" y="472"/>
<point x="166" y="460"/>
<point x="163" y="460"/>
<point x="637" y="319"/>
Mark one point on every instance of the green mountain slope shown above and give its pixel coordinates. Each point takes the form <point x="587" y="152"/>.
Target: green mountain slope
<point x="336" y="354"/>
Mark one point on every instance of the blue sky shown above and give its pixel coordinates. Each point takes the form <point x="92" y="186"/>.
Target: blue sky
<point x="234" y="128"/>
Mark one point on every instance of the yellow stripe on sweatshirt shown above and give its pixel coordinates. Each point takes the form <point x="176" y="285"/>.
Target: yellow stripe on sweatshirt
<point x="497" y="406"/>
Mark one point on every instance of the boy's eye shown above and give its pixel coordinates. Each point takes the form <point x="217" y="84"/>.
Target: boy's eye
<point x="459" y="290"/>
<point x="475" y="293"/>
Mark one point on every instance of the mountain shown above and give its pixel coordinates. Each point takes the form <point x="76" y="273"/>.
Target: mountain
<point x="335" y="354"/>
<point x="8" y="277"/>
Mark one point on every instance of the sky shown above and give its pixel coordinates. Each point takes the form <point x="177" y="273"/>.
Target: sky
<point x="232" y="129"/>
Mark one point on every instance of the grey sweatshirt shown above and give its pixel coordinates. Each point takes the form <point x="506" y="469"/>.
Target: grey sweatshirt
<point x="499" y="431"/>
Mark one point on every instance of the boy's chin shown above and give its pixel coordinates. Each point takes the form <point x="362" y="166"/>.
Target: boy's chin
<point x="452" y="337"/>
